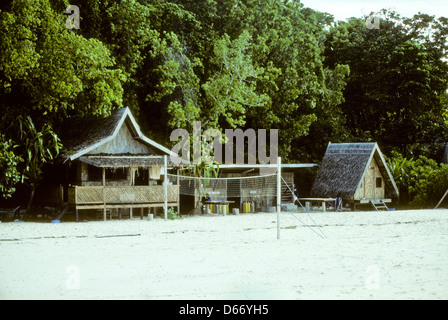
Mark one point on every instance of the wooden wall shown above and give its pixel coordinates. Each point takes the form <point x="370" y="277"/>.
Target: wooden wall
<point x="124" y="142"/>
<point x="369" y="188"/>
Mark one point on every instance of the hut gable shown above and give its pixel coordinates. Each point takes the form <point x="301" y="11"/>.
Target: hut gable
<point x="123" y="143"/>
<point x="117" y="134"/>
<point x="349" y="169"/>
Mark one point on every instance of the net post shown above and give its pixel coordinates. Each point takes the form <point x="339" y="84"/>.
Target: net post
<point x="165" y="187"/>
<point x="279" y="193"/>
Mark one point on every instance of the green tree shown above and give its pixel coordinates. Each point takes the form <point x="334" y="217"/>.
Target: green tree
<point x="397" y="75"/>
<point x="428" y="182"/>
<point x="33" y="149"/>
<point x="231" y="91"/>
<point x="45" y="66"/>
<point x="150" y="41"/>
<point x="38" y="147"/>
<point x="283" y="45"/>
<point x="422" y="181"/>
<point x="288" y="43"/>
<point x="205" y="169"/>
<point x="9" y="163"/>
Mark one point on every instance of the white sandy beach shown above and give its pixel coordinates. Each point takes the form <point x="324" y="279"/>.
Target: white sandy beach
<point x="365" y="255"/>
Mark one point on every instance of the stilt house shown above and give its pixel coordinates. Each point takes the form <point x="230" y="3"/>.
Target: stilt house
<point x="110" y="165"/>
<point x="355" y="172"/>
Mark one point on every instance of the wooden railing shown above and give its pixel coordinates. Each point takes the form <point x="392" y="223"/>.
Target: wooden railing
<point x="84" y="195"/>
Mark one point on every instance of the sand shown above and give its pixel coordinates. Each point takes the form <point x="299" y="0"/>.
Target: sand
<point x="365" y="255"/>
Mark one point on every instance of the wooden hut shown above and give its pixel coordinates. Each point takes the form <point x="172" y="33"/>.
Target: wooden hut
<point x="355" y="172"/>
<point x="110" y="165"/>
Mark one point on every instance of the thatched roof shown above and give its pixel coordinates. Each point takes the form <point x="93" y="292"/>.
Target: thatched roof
<point x="82" y="135"/>
<point x="81" y="132"/>
<point x="119" y="161"/>
<point x="343" y="168"/>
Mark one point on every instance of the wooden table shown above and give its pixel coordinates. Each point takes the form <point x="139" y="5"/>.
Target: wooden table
<point x="322" y="200"/>
<point x="220" y="205"/>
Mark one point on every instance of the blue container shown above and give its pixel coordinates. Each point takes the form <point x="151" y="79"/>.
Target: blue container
<point x="55" y="221"/>
<point x="391" y="209"/>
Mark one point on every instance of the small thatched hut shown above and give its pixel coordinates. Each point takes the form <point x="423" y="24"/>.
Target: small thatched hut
<point x="355" y="172"/>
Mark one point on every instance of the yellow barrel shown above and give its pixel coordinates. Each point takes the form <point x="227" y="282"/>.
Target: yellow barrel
<point x="246" y="207"/>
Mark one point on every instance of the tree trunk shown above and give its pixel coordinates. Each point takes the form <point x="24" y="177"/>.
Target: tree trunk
<point x="30" y="202"/>
<point x="199" y="204"/>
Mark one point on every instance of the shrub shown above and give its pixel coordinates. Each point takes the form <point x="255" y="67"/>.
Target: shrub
<point x="421" y="182"/>
<point x="429" y="182"/>
<point x="173" y="215"/>
<point x="9" y="161"/>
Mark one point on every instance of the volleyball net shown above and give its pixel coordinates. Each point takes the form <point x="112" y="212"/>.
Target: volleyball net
<point x="250" y="187"/>
<point x="260" y="190"/>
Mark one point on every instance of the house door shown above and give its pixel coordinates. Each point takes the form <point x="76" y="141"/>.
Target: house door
<point x="141" y="177"/>
<point x="369" y="183"/>
<point x="379" y="187"/>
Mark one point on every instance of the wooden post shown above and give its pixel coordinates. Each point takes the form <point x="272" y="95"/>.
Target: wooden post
<point x="104" y="199"/>
<point x="178" y="194"/>
<point x="308" y="206"/>
<point x="165" y="187"/>
<point x="76" y="201"/>
<point x="149" y="183"/>
<point x="279" y="193"/>
<point x="131" y="213"/>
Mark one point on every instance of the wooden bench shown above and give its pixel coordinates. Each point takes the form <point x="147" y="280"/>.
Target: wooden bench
<point x="323" y="201"/>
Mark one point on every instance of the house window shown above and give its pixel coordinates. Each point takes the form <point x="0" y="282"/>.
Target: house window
<point x="117" y="174"/>
<point x="95" y="173"/>
<point x="379" y="182"/>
